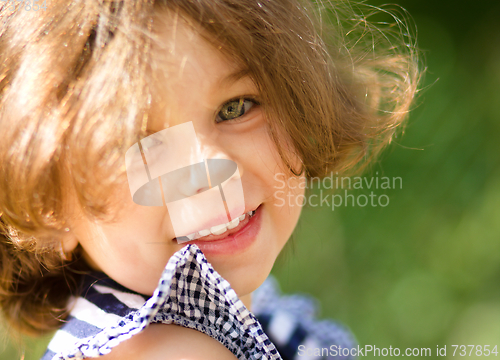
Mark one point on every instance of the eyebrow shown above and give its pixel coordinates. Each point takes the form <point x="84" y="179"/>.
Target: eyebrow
<point x="233" y="77"/>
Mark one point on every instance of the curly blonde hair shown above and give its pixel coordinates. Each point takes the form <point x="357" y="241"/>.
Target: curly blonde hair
<point x="74" y="93"/>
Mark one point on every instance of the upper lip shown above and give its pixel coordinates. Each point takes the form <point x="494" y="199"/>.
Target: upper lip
<point x="219" y="221"/>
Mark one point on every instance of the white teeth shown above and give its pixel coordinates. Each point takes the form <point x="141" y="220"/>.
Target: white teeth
<point x="234" y="223"/>
<point x="218" y="229"/>
<point x="204" y="232"/>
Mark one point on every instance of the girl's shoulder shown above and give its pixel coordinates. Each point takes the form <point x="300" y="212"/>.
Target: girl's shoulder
<point x="173" y="342"/>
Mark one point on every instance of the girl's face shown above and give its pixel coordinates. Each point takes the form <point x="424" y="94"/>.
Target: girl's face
<point x="193" y="82"/>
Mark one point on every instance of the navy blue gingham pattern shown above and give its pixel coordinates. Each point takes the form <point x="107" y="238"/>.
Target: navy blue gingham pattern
<point x="290" y="321"/>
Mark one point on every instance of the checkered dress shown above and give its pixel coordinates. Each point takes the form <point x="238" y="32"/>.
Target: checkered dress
<point x="192" y="294"/>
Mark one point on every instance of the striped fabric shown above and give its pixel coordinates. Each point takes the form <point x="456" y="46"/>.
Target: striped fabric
<point x="290" y="322"/>
<point x="192" y="294"/>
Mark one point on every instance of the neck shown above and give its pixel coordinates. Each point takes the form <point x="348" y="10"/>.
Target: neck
<point x="247" y="301"/>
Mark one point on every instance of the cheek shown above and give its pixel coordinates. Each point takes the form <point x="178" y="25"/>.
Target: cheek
<point x="284" y="194"/>
<point x="288" y="199"/>
<point x="123" y="253"/>
<point x="130" y="249"/>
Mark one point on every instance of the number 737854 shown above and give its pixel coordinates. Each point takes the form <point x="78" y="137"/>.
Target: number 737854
<point x="478" y="350"/>
<point x="27" y="5"/>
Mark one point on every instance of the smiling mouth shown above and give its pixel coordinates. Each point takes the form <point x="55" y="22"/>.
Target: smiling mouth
<point x="219" y="231"/>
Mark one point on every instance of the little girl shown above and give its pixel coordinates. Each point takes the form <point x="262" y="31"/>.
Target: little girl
<point x="169" y="273"/>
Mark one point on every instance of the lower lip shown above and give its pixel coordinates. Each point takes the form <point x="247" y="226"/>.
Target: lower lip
<point x="233" y="243"/>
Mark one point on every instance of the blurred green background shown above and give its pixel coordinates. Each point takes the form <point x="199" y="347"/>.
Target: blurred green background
<point x="424" y="270"/>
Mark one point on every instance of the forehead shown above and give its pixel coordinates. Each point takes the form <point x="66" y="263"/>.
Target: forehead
<point x="187" y="69"/>
<point x="182" y="54"/>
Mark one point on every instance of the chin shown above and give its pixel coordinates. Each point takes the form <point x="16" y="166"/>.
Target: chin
<point x="246" y="285"/>
<point x="245" y="278"/>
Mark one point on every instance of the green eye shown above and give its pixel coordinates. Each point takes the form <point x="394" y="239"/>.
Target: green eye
<point x="234" y="109"/>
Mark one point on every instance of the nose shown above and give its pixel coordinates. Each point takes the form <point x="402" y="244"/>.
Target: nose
<point x="197" y="178"/>
<point x="216" y="170"/>
<point x="174" y="157"/>
<point x="192" y="180"/>
<point x="171" y="170"/>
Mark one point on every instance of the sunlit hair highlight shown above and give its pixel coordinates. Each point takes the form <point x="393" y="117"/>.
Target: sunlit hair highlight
<point x="75" y="95"/>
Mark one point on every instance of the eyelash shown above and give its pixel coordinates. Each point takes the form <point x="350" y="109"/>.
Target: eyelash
<point x="153" y="142"/>
<point x="254" y="102"/>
